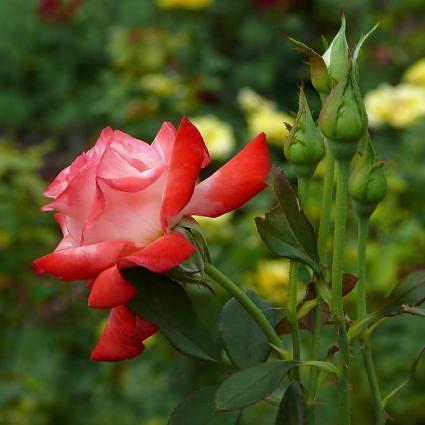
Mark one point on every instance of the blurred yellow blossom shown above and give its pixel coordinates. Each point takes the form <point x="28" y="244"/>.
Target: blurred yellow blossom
<point x="271" y="280"/>
<point x="416" y="73"/>
<point x="250" y="101"/>
<point x="158" y="84"/>
<point x="218" y="135"/>
<point x="399" y="106"/>
<point x="263" y="115"/>
<point x="184" y="4"/>
<point x="216" y="229"/>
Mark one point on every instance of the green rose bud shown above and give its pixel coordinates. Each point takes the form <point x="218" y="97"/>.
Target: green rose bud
<point x="304" y="146"/>
<point x="343" y="118"/>
<point x="336" y="56"/>
<point x="368" y="184"/>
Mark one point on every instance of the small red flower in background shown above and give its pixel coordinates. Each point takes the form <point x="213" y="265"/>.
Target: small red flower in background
<point x="117" y="205"/>
<point x="58" y="10"/>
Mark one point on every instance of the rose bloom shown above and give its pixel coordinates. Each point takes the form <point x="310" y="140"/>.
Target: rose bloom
<point x="117" y="205"/>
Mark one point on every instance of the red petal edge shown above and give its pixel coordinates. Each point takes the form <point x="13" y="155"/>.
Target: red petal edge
<point x="123" y="336"/>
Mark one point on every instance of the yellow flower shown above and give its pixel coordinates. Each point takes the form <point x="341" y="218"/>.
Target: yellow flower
<point x="218" y="135"/>
<point x="416" y="73"/>
<point x="216" y="229"/>
<point x="263" y="115"/>
<point x="271" y="280"/>
<point x="250" y="101"/>
<point x="184" y="4"/>
<point x="157" y="84"/>
<point x="399" y="106"/>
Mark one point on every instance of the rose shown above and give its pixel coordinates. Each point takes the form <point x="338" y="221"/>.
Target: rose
<point x="117" y="205"/>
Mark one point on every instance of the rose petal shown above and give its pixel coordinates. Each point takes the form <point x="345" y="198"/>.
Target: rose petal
<point x="188" y="156"/>
<point x="123" y="336"/>
<point x="233" y="184"/>
<point x="84" y="262"/>
<point x="110" y="289"/>
<point x="164" y="141"/>
<point x="163" y="254"/>
<point x="115" y="171"/>
<point x="62" y="180"/>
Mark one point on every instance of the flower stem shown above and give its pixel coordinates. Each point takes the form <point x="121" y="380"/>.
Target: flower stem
<point x="337" y="270"/>
<point x="363" y="224"/>
<point x="236" y="292"/>
<point x="325" y="213"/>
<point x="293" y="289"/>
<point x="324" y="224"/>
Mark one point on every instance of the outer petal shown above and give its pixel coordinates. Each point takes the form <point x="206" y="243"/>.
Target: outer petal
<point x="123" y="336"/>
<point x="164" y="141"/>
<point x="163" y="254"/>
<point x="84" y="262"/>
<point x="110" y="289"/>
<point x="188" y="156"/>
<point x="61" y="181"/>
<point x="233" y="184"/>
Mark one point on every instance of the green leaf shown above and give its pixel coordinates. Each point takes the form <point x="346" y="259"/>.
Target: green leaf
<point x="251" y="385"/>
<point x="244" y="341"/>
<point x="285" y="229"/>
<point x="166" y="303"/>
<point x="359" y="326"/>
<point x="199" y="409"/>
<point x="409" y="291"/>
<point x="291" y="408"/>
<point x="307" y="306"/>
<point x="319" y="74"/>
<point x="409" y="378"/>
<point x="325" y="366"/>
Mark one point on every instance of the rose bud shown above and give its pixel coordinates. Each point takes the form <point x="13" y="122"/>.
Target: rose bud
<point x="367" y="184"/>
<point x="336" y="56"/>
<point x="343" y="118"/>
<point x="118" y="205"/>
<point x="304" y="146"/>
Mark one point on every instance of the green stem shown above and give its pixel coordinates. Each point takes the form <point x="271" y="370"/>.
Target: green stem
<point x="325" y="213"/>
<point x="293" y="289"/>
<point x="337" y="270"/>
<point x="324" y="224"/>
<point x="249" y="306"/>
<point x="292" y="314"/>
<point x="363" y="224"/>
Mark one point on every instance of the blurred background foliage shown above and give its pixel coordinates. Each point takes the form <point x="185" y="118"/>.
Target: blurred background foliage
<point x="71" y="67"/>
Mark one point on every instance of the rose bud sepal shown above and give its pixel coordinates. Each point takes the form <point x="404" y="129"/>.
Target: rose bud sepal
<point x="343" y="119"/>
<point x="368" y="183"/>
<point x="192" y="270"/>
<point x="304" y="146"/>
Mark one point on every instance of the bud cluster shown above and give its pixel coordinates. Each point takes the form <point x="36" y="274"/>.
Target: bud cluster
<point x="342" y="121"/>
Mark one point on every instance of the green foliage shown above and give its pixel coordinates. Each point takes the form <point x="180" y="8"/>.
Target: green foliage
<point x="251" y="385"/>
<point x="409" y="292"/>
<point x="243" y="339"/>
<point x="165" y="303"/>
<point x="199" y="409"/>
<point x="286" y="230"/>
<point x="291" y="408"/>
